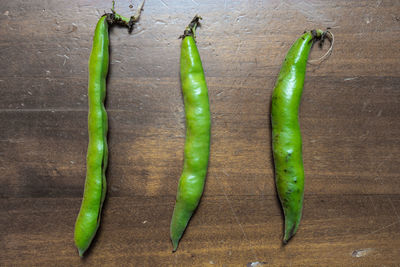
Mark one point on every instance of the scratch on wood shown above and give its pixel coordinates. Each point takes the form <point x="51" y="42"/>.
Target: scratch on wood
<point x="65" y="58"/>
<point x="255" y="264"/>
<point x="394" y="209"/>
<point x="12" y="141"/>
<point x="350" y="79"/>
<point x="383" y="228"/>
<point x="390" y="200"/>
<point x="164" y="3"/>
<point x="238" y="47"/>
<point x="234" y="214"/>
<point x="361" y="252"/>
<point x="373" y="205"/>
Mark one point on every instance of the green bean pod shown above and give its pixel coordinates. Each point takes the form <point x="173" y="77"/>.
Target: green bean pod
<point x="88" y="219"/>
<point x="286" y="136"/>
<point x="95" y="186"/>
<point x="197" y="143"/>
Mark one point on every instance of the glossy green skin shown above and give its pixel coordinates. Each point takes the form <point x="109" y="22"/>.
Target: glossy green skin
<point x="197" y="144"/>
<point x="88" y="219"/>
<point x="286" y="137"/>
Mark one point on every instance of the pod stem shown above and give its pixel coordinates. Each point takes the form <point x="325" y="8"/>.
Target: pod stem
<point x="191" y="28"/>
<point x="115" y="18"/>
<point x="321" y="37"/>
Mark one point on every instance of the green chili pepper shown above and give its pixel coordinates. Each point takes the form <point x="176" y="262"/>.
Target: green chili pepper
<point x="197" y="144"/>
<point x="88" y="219"/>
<point x="286" y="137"/>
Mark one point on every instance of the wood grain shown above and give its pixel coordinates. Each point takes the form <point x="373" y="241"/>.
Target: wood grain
<point x="350" y="121"/>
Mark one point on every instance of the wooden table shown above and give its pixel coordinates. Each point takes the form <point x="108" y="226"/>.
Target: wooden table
<point x="350" y="121"/>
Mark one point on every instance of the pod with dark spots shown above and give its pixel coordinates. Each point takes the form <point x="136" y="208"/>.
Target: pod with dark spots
<point x="286" y="137"/>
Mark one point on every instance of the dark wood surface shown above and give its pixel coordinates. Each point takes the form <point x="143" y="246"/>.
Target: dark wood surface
<point x="350" y="121"/>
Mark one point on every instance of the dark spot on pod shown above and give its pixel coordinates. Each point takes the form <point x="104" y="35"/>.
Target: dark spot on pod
<point x="295" y="180"/>
<point x="288" y="157"/>
<point x="285" y="170"/>
<point x="313" y="33"/>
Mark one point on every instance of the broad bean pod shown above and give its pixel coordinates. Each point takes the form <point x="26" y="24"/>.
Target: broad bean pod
<point x="198" y="126"/>
<point x="286" y="136"/>
<point x="88" y="219"/>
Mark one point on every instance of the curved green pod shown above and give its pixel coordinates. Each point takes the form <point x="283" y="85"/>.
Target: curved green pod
<point x="95" y="186"/>
<point x="286" y="136"/>
<point x="197" y="143"/>
<point x="88" y="219"/>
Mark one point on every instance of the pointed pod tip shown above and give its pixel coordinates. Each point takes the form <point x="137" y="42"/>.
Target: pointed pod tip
<point x="288" y="235"/>
<point x="81" y="251"/>
<point x="175" y="245"/>
<point x="286" y="239"/>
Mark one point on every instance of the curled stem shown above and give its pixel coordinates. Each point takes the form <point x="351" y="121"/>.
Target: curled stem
<point x="191" y="28"/>
<point x="325" y="35"/>
<point x="115" y="18"/>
